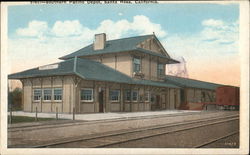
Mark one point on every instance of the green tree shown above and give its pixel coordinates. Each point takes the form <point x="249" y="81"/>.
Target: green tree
<point x="15" y="99"/>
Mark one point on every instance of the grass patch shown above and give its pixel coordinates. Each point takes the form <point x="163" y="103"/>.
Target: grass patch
<point x="23" y="119"/>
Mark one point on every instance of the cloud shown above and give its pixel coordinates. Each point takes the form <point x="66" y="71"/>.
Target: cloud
<point x="120" y="14"/>
<point x="45" y="44"/>
<point x="35" y="29"/>
<point x="211" y="54"/>
<point x="140" y="25"/>
<point x="67" y="28"/>
<point x="212" y="23"/>
<point x="215" y="44"/>
<point x="220" y="31"/>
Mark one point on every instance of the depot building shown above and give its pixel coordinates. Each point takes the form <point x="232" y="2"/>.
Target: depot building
<point x="123" y="75"/>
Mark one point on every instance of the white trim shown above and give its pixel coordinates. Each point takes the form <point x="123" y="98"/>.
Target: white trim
<point x="50" y="94"/>
<point x="53" y="94"/>
<point x="128" y="90"/>
<point x="41" y="94"/>
<point x="118" y="95"/>
<point x="149" y="96"/>
<point x="137" y="95"/>
<point x="92" y="95"/>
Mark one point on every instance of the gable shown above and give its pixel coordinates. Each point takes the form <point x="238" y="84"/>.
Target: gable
<point x="154" y="45"/>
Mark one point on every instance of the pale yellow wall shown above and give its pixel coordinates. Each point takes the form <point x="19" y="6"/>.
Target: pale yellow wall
<point x="48" y="106"/>
<point x="114" y="107"/>
<point x="71" y="96"/>
<point x="124" y="64"/>
<point x="152" y="45"/>
<point x="195" y="95"/>
<point x="109" y="61"/>
<point x="85" y="107"/>
<point x="190" y="95"/>
<point x="67" y="95"/>
<point x="178" y="98"/>
<point x="154" y="69"/>
<point x="172" y="99"/>
<point x="146" y="66"/>
<point x="121" y="62"/>
<point x="27" y="96"/>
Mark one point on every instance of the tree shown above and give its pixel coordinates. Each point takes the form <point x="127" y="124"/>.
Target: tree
<point x="15" y="99"/>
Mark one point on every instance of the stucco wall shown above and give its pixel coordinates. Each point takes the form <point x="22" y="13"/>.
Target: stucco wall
<point x="71" y="96"/>
<point x="124" y="64"/>
<point x="195" y="95"/>
<point x="65" y="83"/>
<point x="151" y="44"/>
<point x="27" y="107"/>
<point x="121" y="62"/>
<point x="172" y="99"/>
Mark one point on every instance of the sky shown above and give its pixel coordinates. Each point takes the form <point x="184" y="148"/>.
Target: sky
<point x="205" y="35"/>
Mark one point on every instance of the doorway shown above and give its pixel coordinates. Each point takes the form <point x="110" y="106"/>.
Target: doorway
<point x="157" y="103"/>
<point x="101" y="101"/>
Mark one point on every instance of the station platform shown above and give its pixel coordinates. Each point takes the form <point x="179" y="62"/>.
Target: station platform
<point x="103" y="116"/>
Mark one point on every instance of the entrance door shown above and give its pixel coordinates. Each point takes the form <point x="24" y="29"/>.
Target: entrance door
<point x="101" y="101"/>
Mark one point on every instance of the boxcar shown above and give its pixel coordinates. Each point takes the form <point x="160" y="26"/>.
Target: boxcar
<point x="228" y="97"/>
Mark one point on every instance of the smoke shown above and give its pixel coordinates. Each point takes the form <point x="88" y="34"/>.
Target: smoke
<point x="179" y="69"/>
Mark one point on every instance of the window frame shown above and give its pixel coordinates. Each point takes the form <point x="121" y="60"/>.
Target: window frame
<point x="43" y="94"/>
<point x="118" y="98"/>
<point x="137" y="96"/>
<point x="54" y="94"/>
<point x="158" y="69"/>
<point x="40" y="94"/>
<point x="147" y="93"/>
<point x="92" y="95"/>
<point x="128" y="91"/>
<point x="136" y="64"/>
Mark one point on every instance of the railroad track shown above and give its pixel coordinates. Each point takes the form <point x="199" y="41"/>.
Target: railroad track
<point x="216" y="139"/>
<point x="119" y="138"/>
<point x="76" y="123"/>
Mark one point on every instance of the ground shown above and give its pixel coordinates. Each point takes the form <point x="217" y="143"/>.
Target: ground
<point x="89" y="125"/>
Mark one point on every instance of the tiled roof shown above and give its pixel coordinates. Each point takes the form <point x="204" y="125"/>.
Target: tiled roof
<point x="185" y="82"/>
<point x="89" y="70"/>
<point x="112" y="46"/>
<point x="64" y="68"/>
<point x="117" y="46"/>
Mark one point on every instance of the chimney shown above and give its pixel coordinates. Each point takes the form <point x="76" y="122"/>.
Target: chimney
<point x="100" y="41"/>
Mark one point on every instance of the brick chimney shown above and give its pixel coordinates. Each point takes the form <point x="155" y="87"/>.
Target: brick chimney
<point x="100" y="41"/>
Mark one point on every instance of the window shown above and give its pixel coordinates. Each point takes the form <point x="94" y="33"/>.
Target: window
<point x="160" y="69"/>
<point x="87" y="94"/>
<point x="137" y="64"/>
<point x="114" y="95"/>
<point x="58" y="94"/>
<point x="147" y="96"/>
<point x="128" y="95"/>
<point x="37" y="94"/>
<point x="47" y="94"/>
<point x="134" y="95"/>
<point x="152" y="98"/>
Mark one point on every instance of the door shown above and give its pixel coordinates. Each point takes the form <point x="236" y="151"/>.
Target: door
<point x="101" y="101"/>
<point x="157" y="104"/>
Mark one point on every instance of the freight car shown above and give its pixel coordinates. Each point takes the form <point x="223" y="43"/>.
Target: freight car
<point x="228" y="98"/>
